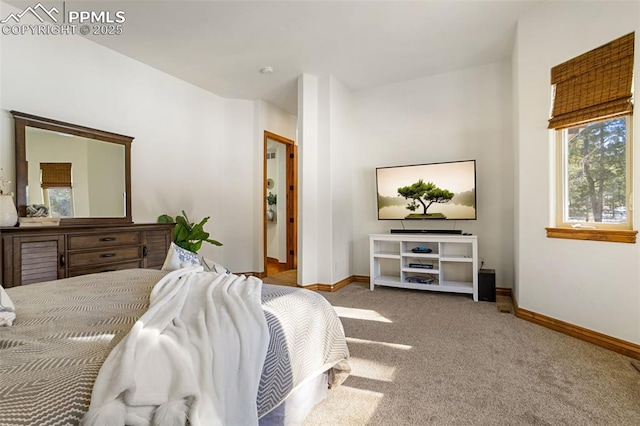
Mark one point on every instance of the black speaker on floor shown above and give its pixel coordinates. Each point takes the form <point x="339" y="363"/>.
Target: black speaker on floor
<point x="487" y="285"/>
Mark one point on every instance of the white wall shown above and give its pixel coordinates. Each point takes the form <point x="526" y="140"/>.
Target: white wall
<point x="515" y="116"/>
<point x="308" y="204"/>
<point x="275" y="120"/>
<point x="325" y="181"/>
<point x="326" y="230"/>
<point x="190" y="145"/>
<point x="106" y="196"/>
<point x="461" y="115"/>
<point x="591" y="284"/>
<point x="342" y="157"/>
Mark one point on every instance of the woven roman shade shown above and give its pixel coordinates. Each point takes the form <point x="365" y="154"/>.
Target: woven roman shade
<point x="595" y="85"/>
<point x="55" y="175"/>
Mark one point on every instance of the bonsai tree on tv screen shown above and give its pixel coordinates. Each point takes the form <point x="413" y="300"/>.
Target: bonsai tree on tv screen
<point x="425" y="194"/>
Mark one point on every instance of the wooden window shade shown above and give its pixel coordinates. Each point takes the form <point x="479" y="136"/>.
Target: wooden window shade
<point x="55" y="175"/>
<point x="595" y="85"/>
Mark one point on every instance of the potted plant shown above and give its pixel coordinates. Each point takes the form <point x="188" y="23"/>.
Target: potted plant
<point x="272" y="199"/>
<point x="187" y="234"/>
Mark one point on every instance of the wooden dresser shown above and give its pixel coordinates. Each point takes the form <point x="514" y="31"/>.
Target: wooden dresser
<point x="35" y="254"/>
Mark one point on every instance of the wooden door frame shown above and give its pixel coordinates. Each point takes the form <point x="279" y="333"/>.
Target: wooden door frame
<point x="292" y="199"/>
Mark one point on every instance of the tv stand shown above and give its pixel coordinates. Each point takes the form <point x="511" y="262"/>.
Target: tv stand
<point x="427" y="231"/>
<point x="447" y="263"/>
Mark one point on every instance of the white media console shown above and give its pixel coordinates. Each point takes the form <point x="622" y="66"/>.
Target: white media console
<point x="449" y="263"/>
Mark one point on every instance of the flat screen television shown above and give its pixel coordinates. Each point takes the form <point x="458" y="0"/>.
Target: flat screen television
<point x="427" y="191"/>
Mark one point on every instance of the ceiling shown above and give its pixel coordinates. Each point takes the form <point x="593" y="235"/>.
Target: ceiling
<point x="221" y="46"/>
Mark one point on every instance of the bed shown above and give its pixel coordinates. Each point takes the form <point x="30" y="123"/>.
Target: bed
<point x="52" y="356"/>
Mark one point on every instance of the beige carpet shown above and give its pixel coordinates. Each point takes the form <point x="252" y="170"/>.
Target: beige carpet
<point x="423" y="358"/>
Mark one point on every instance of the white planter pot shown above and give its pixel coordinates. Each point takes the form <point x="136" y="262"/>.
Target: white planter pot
<point x="271" y="215"/>
<point x="8" y="213"/>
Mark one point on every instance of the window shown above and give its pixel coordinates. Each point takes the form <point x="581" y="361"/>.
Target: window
<point x="60" y="201"/>
<point x="593" y="176"/>
<point x="55" y="180"/>
<point x="591" y="115"/>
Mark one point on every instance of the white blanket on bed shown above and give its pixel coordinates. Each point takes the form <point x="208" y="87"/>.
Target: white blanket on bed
<point x="198" y="352"/>
<point x="7" y="310"/>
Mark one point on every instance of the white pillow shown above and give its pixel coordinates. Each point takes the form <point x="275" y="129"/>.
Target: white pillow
<point x="212" y="266"/>
<point x="7" y="310"/>
<point x="178" y="258"/>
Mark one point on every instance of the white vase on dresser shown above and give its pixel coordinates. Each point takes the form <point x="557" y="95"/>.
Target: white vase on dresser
<point x="8" y="213"/>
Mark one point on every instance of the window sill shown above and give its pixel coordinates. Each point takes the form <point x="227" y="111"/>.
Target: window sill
<point x="608" y="235"/>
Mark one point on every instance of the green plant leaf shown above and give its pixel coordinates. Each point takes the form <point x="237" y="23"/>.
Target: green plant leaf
<point x="198" y="233"/>
<point x="187" y="219"/>
<point x="181" y="233"/>
<point x="203" y="221"/>
<point x="189" y="246"/>
<point x="214" y="242"/>
<point x="165" y="218"/>
<point x="181" y="220"/>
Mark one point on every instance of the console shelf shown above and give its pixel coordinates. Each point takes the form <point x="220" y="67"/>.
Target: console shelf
<point x="451" y="265"/>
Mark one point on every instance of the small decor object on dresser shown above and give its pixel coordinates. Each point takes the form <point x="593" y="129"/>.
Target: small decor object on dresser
<point x="8" y="212"/>
<point x="3" y="182"/>
<point x="37" y="210"/>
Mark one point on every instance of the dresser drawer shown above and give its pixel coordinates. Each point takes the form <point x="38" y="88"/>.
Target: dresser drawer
<point x="107" y="239"/>
<point x="105" y="268"/>
<point x="100" y="257"/>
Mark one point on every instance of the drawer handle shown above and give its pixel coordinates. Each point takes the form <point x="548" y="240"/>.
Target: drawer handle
<point x="62" y="262"/>
<point x="145" y="251"/>
<point x="108" y="255"/>
<point x="107" y="239"/>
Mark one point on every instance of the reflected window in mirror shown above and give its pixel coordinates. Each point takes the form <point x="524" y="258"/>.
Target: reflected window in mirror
<point x="56" y="184"/>
<point x="59" y="201"/>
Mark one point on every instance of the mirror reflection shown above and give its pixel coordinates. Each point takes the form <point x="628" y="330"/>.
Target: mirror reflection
<point x="74" y="176"/>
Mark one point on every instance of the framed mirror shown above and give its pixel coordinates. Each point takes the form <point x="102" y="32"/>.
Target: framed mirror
<point x="81" y="175"/>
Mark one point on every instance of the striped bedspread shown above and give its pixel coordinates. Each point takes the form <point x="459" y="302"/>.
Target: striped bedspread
<point x="65" y="329"/>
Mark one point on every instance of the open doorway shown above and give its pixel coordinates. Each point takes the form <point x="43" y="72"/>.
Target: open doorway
<point x="280" y="204"/>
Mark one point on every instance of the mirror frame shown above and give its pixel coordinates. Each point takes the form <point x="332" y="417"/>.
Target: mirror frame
<point x="22" y="121"/>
